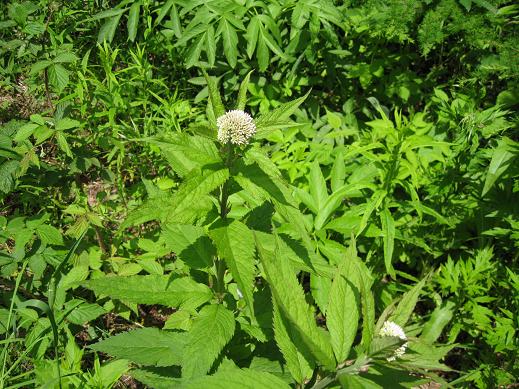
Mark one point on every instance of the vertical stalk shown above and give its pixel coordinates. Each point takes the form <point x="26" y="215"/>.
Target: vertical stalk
<point x="224" y="210"/>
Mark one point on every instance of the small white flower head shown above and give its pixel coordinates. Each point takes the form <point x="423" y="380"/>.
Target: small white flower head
<point x="392" y="329"/>
<point x="236" y="127"/>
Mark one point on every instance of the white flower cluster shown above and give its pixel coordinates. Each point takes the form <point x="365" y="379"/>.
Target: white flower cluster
<point x="392" y="329"/>
<point x="236" y="127"/>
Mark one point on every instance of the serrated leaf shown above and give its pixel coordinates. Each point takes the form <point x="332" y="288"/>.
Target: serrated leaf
<point x="440" y="317"/>
<point x="66" y="57"/>
<point x="334" y="201"/>
<point x="58" y="76"/>
<point x="372" y="204"/>
<point x="210" y="45"/>
<point x="270" y="121"/>
<point x="190" y="244"/>
<point x="502" y="158"/>
<point x="295" y="312"/>
<point x="343" y="311"/>
<point x="107" y="30"/>
<point x="230" y="41"/>
<point x="185" y="204"/>
<point x="317" y="184"/>
<point x="50" y="235"/>
<point x="152" y="289"/>
<point x="63" y="144"/>
<point x="296" y="362"/>
<point x="234" y="378"/>
<point x="405" y="308"/>
<point x="146" y="346"/>
<point x="252" y="35"/>
<point x="186" y="152"/>
<point x="338" y="173"/>
<point x="236" y="245"/>
<point x="84" y="313"/>
<point x="66" y="124"/>
<point x="39" y="66"/>
<point x="388" y="228"/>
<point x="25" y="131"/>
<point x="211" y="331"/>
<point x="214" y="96"/>
<point x="242" y="93"/>
<point x="133" y="20"/>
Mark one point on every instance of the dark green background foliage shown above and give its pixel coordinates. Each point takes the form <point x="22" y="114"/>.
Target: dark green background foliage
<point x="391" y="191"/>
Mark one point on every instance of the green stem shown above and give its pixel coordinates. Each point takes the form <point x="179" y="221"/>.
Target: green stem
<point x="224" y="210"/>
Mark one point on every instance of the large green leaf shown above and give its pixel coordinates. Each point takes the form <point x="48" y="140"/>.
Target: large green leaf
<point x="230" y="41"/>
<point x="190" y="244"/>
<point x="406" y="306"/>
<point x="318" y="188"/>
<point x="211" y="331"/>
<point x="278" y="117"/>
<point x="214" y="96"/>
<point x="185" y="152"/>
<point x="235" y="243"/>
<point x="234" y="378"/>
<point x="133" y="20"/>
<point x="343" y="312"/>
<point x="388" y="228"/>
<point x="146" y="346"/>
<point x="295" y="312"/>
<point x="299" y="365"/>
<point x="502" y="157"/>
<point x="152" y="289"/>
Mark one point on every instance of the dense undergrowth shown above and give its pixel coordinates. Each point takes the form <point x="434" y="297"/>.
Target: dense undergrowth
<point x="379" y="194"/>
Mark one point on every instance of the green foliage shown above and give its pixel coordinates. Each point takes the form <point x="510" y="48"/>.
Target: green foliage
<point x="379" y="189"/>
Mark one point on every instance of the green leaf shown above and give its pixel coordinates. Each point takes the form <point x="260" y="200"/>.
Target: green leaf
<point x="152" y="289"/>
<point x="7" y="172"/>
<point x="235" y="243"/>
<point x="66" y="124"/>
<point x="133" y="20"/>
<point x="146" y="346"/>
<point x="107" y="30"/>
<point x="211" y="331"/>
<point x="342" y="314"/>
<point x="193" y="54"/>
<point x="50" y="235"/>
<point x="252" y="35"/>
<point x="295" y="312"/>
<point x="502" y="158"/>
<point x="334" y="201"/>
<point x="197" y="184"/>
<point x="84" y="313"/>
<point x="39" y="66"/>
<point x="388" y="227"/>
<point x="214" y="96"/>
<point x="66" y="57"/>
<point x="405" y="308"/>
<point x="440" y="317"/>
<point x="230" y="41"/>
<point x="186" y="152"/>
<point x="25" y="131"/>
<point x="317" y="184"/>
<point x="242" y="94"/>
<point x="338" y="173"/>
<point x="210" y="46"/>
<point x="371" y="205"/>
<point x="296" y="362"/>
<point x="278" y="117"/>
<point x="234" y="378"/>
<point x="158" y="377"/>
<point x="58" y="76"/>
<point x="190" y="244"/>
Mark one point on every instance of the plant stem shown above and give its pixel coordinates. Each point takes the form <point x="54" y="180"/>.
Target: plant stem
<point x="224" y="210"/>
